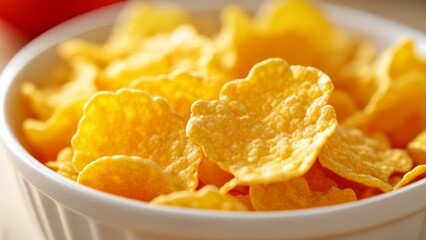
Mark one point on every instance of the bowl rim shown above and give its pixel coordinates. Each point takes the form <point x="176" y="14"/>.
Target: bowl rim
<point x="129" y="212"/>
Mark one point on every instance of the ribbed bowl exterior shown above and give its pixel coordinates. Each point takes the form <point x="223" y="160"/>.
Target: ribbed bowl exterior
<point x="56" y="221"/>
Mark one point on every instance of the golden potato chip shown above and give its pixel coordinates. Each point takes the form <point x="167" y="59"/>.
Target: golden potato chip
<point x="181" y="89"/>
<point x="268" y="127"/>
<point x="63" y="164"/>
<point x="352" y="155"/>
<point x="232" y="187"/>
<point x="295" y="194"/>
<point x="37" y="101"/>
<point x="411" y="176"/>
<point x="100" y="54"/>
<point x="129" y="176"/>
<point x="136" y="22"/>
<point x="343" y="104"/>
<point x="239" y="34"/>
<point x="401" y="89"/>
<point x="387" y="69"/>
<point x="206" y="198"/>
<point x="318" y="179"/>
<point x="37" y="105"/>
<point x="417" y="149"/>
<point x="278" y="16"/>
<point x="331" y="179"/>
<point x="140" y="20"/>
<point x="245" y="199"/>
<point x="401" y="59"/>
<point x="278" y="31"/>
<point x="356" y="76"/>
<point x="131" y="122"/>
<point x="406" y="97"/>
<point x="181" y="50"/>
<point x="210" y="173"/>
<point x="48" y="137"/>
<point x="80" y="85"/>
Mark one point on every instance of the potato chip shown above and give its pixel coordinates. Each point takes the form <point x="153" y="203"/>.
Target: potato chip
<point x="387" y="69"/>
<point x="276" y="16"/>
<point x="295" y="194"/>
<point x="343" y="104"/>
<point x="131" y="122"/>
<point x="48" y="137"/>
<point x="181" y="50"/>
<point x="245" y="199"/>
<point x="181" y="89"/>
<point x="136" y="22"/>
<point x="411" y="176"/>
<point x="35" y="95"/>
<point x="324" y="179"/>
<point x="401" y="88"/>
<point x="239" y="35"/>
<point x="129" y="176"/>
<point x="417" y="149"/>
<point x="37" y="101"/>
<point x="356" y="76"/>
<point x="80" y="85"/>
<point x="206" y="198"/>
<point x="352" y="155"/>
<point x="268" y="127"/>
<point x="405" y="96"/>
<point x="210" y="173"/>
<point x="402" y="59"/>
<point x="63" y="164"/>
<point x="318" y="178"/>
<point x="278" y="31"/>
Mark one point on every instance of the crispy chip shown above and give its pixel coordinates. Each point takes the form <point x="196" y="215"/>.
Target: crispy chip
<point x="129" y="176"/>
<point x="411" y="176"/>
<point x="276" y="16"/>
<point x="136" y="22"/>
<point x="295" y="194"/>
<point x="48" y="137"/>
<point x="239" y="34"/>
<point x="401" y="89"/>
<point x="80" y="85"/>
<point x="356" y="77"/>
<point x="352" y="155"/>
<point x="278" y="31"/>
<point x="245" y="199"/>
<point x="417" y="149"/>
<point x="268" y="127"/>
<point x="322" y="179"/>
<point x="130" y="122"/>
<point x="181" y="90"/>
<point x="63" y="164"/>
<point x="318" y="178"/>
<point x="210" y="173"/>
<point x="401" y="59"/>
<point x="406" y="97"/>
<point x="206" y="198"/>
<point x="343" y="104"/>
<point x="181" y="50"/>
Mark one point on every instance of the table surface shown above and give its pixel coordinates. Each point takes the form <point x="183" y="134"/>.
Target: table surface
<point x="15" y="221"/>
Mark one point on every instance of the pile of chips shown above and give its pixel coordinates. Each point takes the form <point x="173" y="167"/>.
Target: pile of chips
<point x="279" y="110"/>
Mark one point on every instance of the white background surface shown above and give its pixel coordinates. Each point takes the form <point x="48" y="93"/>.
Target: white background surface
<point x="15" y="222"/>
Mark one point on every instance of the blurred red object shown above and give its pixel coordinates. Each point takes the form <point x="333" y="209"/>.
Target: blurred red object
<point x="33" y="17"/>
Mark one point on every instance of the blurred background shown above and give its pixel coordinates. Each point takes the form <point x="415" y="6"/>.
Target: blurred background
<point x="22" y="20"/>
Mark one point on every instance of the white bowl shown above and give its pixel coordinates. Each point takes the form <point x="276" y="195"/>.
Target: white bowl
<point x="66" y="210"/>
